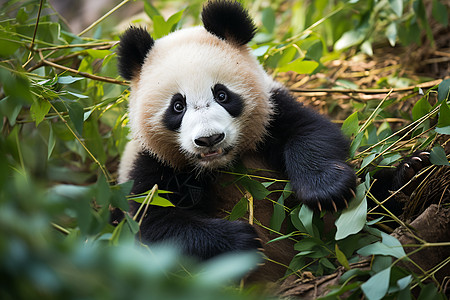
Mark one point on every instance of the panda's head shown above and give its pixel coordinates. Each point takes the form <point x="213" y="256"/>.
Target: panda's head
<point x="198" y="96"/>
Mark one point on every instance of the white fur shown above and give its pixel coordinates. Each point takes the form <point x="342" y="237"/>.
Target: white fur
<point x="126" y="161"/>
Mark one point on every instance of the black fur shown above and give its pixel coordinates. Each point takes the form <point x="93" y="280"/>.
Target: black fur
<point x="228" y="20"/>
<point x="134" y="45"/>
<point x="187" y="225"/>
<point x="172" y="119"/>
<point x="234" y="103"/>
<point x="311" y="151"/>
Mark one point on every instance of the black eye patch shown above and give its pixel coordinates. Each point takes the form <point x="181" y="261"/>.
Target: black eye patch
<point x="175" y="112"/>
<point x="232" y="102"/>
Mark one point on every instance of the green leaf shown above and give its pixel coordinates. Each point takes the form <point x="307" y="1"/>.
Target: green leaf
<point x="268" y="19"/>
<point x="69" y="79"/>
<point x="353" y="218"/>
<point x="160" y="201"/>
<point x="341" y="257"/>
<point x="150" y="10"/>
<point x="9" y="44"/>
<point x="429" y="292"/>
<point x="227" y="267"/>
<point x="17" y="86"/>
<point x="356" y="143"/>
<point x="348" y="39"/>
<point x="351" y="125"/>
<point x="367" y="160"/>
<point x="394" y="243"/>
<point x="300" y="66"/>
<point x="379" y="248"/>
<point x="391" y="33"/>
<point x="397" y="6"/>
<point x="438" y="157"/>
<point x="444" y="115"/>
<point x="279" y="213"/>
<point x="10" y="109"/>
<point x="421" y="108"/>
<point x="315" y="51"/>
<point x="39" y="109"/>
<point x="51" y="141"/>
<point x="377" y="286"/>
<point x="162" y="27"/>
<point x="98" y="54"/>
<point x="287" y="56"/>
<point x="404" y="282"/>
<point x="443" y="130"/>
<point x="133" y="225"/>
<point x="439" y="12"/>
<point x="103" y="192"/>
<point x="306" y="216"/>
<point x="260" y="51"/>
<point x="156" y="200"/>
<point x="76" y="114"/>
<point x="119" y="194"/>
<point x="239" y="210"/>
<point x="255" y="188"/>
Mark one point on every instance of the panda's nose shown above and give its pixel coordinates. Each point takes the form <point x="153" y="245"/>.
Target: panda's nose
<point x="209" y="141"/>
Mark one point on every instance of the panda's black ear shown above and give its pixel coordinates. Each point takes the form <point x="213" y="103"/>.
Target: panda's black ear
<point x="134" y="45"/>
<point x="228" y="20"/>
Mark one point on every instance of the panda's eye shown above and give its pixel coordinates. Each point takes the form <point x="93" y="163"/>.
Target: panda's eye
<point x="221" y="96"/>
<point x="178" y="106"/>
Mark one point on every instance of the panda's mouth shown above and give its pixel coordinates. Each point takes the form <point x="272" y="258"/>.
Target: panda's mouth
<point x="211" y="155"/>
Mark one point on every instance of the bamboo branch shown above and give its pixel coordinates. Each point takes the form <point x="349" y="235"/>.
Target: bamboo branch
<point x="84" y="74"/>
<point x="65" y="57"/>
<point x="104" y="17"/>
<point x="34" y="34"/>
<point x="424" y="85"/>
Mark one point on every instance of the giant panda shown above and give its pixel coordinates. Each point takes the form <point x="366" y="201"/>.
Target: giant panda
<point x="200" y="105"/>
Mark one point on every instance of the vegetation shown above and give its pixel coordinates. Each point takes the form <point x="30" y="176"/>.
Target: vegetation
<point x="63" y="110"/>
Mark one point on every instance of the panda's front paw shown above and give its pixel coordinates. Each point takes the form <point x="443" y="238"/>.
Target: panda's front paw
<point x="222" y="236"/>
<point x="408" y="168"/>
<point x="330" y="189"/>
<point x="240" y="236"/>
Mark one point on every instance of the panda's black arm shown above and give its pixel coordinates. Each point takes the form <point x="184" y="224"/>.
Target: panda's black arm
<point x="187" y="225"/>
<point x="195" y="234"/>
<point x="312" y="152"/>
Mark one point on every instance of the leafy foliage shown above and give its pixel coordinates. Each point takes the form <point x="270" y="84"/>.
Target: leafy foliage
<point x="63" y="108"/>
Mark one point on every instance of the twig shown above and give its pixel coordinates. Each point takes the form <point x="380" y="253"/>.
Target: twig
<point x="34" y="34"/>
<point x="65" y="57"/>
<point x="424" y="85"/>
<point x="104" y="17"/>
<point x="112" y="43"/>
<point x="84" y="74"/>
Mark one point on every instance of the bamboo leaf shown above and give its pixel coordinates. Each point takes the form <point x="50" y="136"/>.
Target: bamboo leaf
<point x="341" y="257"/>
<point x="351" y="125"/>
<point x="421" y="108"/>
<point x="300" y="66"/>
<point x="438" y="157"/>
<point x="444" y="115"/>
<point x="397" y="6"/>
<point x="439" y="12"/>
<point x="239" y="210"/>
<point x="377" y="286"/>
<point x="353" y="218"/>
